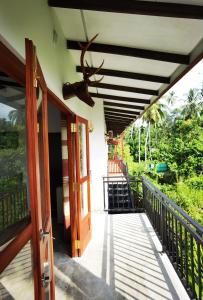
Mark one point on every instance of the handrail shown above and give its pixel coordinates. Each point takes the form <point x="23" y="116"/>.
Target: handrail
<point x="180" y="235"/>
<point x="198" y="226"/>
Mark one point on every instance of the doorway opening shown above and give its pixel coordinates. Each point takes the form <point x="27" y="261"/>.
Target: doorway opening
<point x="58" y="168"/>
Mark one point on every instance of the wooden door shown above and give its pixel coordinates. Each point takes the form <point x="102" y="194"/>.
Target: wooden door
<point x="83" y="184"/>
<point x="38" y="156"/>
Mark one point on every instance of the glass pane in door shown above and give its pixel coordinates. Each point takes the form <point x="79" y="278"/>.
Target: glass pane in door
<point x="40" y="130"/>
<point x="82" y="150"/>
<point x="84" y="199"/>
<point x="14" y="195"/>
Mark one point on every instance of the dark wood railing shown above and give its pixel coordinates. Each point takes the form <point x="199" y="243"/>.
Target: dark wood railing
<point x="14" y="211"/>
<point x="180" y="235"/>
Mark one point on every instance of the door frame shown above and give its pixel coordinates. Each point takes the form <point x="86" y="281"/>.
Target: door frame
<point x="70" y="118"/>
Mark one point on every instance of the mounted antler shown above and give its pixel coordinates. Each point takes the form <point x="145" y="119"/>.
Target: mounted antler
<point x="80" y="89"/>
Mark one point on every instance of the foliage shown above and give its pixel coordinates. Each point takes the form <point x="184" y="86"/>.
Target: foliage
<point x="174" y="137"/>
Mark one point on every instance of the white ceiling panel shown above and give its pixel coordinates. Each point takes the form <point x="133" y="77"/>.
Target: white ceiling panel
<point x="130" y="82"/>
<point x="145" y="32"/>
<point x="130" y="64"/>
<point x="122" y="94"/>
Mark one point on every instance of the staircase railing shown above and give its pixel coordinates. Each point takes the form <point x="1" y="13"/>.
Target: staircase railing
<point x="180" y="235"/>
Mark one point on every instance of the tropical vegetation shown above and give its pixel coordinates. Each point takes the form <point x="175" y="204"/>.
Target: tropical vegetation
<point x="172" y="138"/>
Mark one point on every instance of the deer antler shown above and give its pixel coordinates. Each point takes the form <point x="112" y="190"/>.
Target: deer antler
<point x="88" y="74"/>
<point x="84" y="49"/>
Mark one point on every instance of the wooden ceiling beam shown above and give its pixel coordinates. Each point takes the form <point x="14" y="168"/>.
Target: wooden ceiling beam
<point x="152" y="8"/>
<point x="133" y="52"/>
<point x="124" y="88"/>
<point x="119" y="116"/>
<point x="121" y="105"/>
<point x="124" y="111"/>
<point x="128" y="75"/>
<point x="119" y="98"/>
<point x="110" y="120"/>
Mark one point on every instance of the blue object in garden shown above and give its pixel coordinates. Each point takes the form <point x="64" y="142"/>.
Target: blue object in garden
<point x="162" y="167"/>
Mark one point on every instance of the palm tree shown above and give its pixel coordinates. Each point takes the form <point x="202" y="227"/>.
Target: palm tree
<point x="194" y="104"/>
<point x="153" y="116"/>
<point x="16" y="117"/>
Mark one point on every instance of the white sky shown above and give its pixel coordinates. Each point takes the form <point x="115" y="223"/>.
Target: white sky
<point x="193" y="79"/>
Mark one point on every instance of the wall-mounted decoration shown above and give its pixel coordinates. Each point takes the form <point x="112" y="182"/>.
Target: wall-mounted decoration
<point x="80" y="89"/>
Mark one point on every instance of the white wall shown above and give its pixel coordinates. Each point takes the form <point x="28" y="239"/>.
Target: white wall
<point x="36" y="21"/>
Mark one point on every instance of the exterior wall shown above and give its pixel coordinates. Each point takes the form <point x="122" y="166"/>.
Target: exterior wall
<point x="36" y="21"/>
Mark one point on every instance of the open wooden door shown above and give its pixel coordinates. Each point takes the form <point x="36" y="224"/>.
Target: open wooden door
<point x="83" y="184"/>
<point x="38" y="157"/>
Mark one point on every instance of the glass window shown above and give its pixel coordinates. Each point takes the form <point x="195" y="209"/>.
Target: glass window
<point x="82" y="150"/>
<point x="83" y="198"/>
<point x="14" y="199"/>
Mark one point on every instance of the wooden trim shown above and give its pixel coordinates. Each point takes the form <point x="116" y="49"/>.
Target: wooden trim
<point x="13" y="230"/>
<point x="128" y="75"/>
<point x="124" y="88"/>
<point x="123" y="105"/>
<point x="32" y="168"/>
<point x="158" y="8"/>
<point x="72" y="194"/>
<point x="8" y="254"/>
<point x="11" y="65"/>
<point x="133" y="52"/>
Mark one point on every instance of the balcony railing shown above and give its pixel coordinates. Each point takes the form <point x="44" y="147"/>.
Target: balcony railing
<point x="180" y="235"/>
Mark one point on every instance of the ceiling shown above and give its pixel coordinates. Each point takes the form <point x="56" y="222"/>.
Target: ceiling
<point x="146" y="46"/>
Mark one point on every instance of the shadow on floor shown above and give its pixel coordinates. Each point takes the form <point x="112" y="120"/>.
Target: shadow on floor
<point x="121" y="262"/>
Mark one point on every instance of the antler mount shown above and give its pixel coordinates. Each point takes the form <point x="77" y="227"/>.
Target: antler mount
<point x="80" y="89"/>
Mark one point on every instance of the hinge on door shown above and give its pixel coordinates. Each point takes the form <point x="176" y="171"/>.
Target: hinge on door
<point x="73" y="127"/>
<point x="77" y="244"/>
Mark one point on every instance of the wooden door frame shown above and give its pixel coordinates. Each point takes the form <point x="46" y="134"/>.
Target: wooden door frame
<point x="70" y="118"/>
<point x="86" y="178"/>
<point x="14" y="67"/>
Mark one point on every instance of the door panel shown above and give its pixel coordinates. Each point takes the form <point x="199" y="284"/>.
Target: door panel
<point x="83" y="184"/>
<point x="38" y="156"/>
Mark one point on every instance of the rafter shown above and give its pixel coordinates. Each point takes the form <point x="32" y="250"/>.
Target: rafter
<point x="121" y="105"/>
<point x="124" y="111"/>
<point x="124" y="88"/>
<point x="119" y="98"/>
<point x="158" y="8"/>
<point x="119" y="115"/>
<point x="128" y="75"/>
<point x="134" y="52"/>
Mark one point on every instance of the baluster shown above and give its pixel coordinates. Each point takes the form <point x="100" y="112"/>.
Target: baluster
<point x="199" y="260"/>
<point x="192" y="264"/>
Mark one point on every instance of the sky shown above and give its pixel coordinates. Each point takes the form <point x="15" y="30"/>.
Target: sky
<point x="193" y="79"/>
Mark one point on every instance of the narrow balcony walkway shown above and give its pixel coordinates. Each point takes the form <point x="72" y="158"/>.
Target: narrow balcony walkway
<point x="123" y="261"/>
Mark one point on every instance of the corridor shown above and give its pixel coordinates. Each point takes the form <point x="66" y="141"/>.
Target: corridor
<point x="122" y="261"/>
